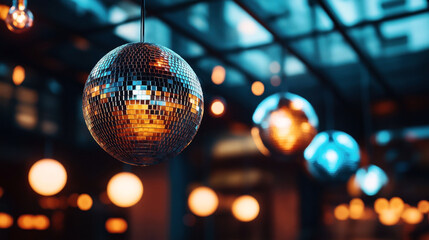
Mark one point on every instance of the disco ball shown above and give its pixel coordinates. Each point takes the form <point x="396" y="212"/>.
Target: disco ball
<point x="371" y="179"/>
<point x="287" y="123"/>
<point x="142" y="103"/>
<point x="332" y="156"/>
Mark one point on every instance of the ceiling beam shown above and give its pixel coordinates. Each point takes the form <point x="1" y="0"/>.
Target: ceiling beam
<point x="365" y="59"/>
<point x="318" y="73"/>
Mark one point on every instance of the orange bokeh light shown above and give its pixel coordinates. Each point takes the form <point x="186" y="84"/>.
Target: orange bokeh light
<point x="84" y="202"/>
<point x="356" y="208"/>
<point x="125" y="189"/>
<point x="4" y="9"/>
<point x="381" y="204"/>
<point x="47" y="177"/>
<point x="40" y="222"/>
<point x="203" y="201"/>
<point x="423" y="206"/>
<point x="341" y="212"/>
<point x="245" y="208"/>
<point x="412" y="215"/>
<point x="397" y="205"/>
<point x="353" y="187"/>
<point x="6" y="220"/>
<point x="218" y="75"/>
<point x="18" y="75"/>
<point x="217" y="107"/>
<point x="116" y="225"/>
<point x="258" y="88"/>
<point x="389" y="217"/>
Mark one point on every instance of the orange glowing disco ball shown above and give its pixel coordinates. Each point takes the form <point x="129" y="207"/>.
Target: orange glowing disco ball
<point x="287" y="123"/>
<point x="142" y="103"/>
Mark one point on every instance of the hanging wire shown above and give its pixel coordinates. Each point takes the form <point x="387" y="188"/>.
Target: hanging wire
<point x="143" y="17"/>
<point x="366" y="104"/>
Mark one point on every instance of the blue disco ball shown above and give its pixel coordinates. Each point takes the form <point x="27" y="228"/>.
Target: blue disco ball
<point x="371" y="179"/>
<point x="286" y="123"/>
<point x="332" y="156"/>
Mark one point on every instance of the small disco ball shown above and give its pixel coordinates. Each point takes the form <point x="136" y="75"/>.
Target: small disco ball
<point x="332" y="156"/>
<point x="371" y="179"/>
<point x="142" y="103"/>
<point x="287" y="123"/>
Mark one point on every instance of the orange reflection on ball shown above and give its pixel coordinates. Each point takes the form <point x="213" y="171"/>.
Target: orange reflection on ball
<point x="203" y="201"/>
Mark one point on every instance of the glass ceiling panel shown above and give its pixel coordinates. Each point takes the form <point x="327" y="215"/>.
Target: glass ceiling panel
<point x="222" y="24"/>
<point x="326" y="50"/>
<point x="354" y="11"/>
<point x="394" y="37"/>
<point x="290" y="18"/>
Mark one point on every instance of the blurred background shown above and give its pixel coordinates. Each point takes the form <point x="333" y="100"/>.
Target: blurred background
<point x="361" y="64"/>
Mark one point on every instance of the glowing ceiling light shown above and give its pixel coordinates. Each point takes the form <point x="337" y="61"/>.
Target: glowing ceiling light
<point x="245" y="208"/>
<point x="371" y="179"/>
<point x="203" y="201"/>
<point x="47" y="177"/>
<point x="332" y="156"/>
<point x="19" y="18"/>
<point x="125" y="189"/>
<point x="287" y="123"/>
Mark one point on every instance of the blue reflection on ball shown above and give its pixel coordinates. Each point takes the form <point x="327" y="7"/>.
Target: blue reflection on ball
<point x="332" y="156"/>
<point x="371" y="179"/>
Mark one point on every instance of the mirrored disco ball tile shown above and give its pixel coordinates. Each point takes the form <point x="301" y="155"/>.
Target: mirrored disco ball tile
<point x="142" y="103"/>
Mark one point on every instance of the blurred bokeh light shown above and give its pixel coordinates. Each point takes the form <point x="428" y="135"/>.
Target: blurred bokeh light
<point x="47" y="177"/>
<point x="245" y="208"/>
<point x="125" y="189"/>
<point x="203" y="201"/>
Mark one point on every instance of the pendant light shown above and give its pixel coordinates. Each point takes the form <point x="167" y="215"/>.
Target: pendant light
<point x="19" y="18"/>
<point x="142" y="102"/>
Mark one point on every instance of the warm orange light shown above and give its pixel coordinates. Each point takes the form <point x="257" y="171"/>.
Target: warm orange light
<point x="84" y="202"/>
<point x="25" y="221"/>
<point x="124" y="189"/>
<point x="47" y="177"/>
<point x="397" y="205"/>
<point x="245" y="208"/>
<point x="389" y="217"/>
<point x="380" y="205"/>
<point x="341" y="212"/>
<point x="357" y="208"/>
<point x="258" y="88"/>
<point x="116" y="225"/>
<point x="423" y="206"/>
<point x="353" y="187"/>
<point x="258" y="141"/>
<point x="1" y="192"/>
<point x="4" y="9"/>
<point x="6" y="220"/>
<point x="72" y="199"/>
<point x="218" y="75"/>
<point x="203" y="201"/>
<point x="18" y="75"/>
<point x="412" y="215"/>
<point x="40" y="222"/>
<point x="217" y="107"/>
